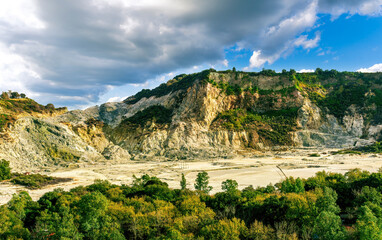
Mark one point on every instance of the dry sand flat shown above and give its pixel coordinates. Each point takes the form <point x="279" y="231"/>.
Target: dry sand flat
<point x="259" y="170"/>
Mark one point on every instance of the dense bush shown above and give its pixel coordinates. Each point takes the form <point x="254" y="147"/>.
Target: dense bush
<point x="156" y="113"/>
<point x="180" y="82"/>
<point x="34" y="181"/>
<point x="312" y="208"/>
<point x="5" y="170"/>
<point x="273" y="126"/>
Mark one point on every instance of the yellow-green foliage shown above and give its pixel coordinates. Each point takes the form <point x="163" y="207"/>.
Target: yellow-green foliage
<point x="149" y="209"/>
<point x="274" y="126"/>
<point x="5" y="120"/>
<point x="5" y="170"/>
<point x="57" y="153"/>
<point x="35" y="181"/>
<point x="372" y="148"/>
<point x="12" y="107"/>
<point x="22" y="105"/>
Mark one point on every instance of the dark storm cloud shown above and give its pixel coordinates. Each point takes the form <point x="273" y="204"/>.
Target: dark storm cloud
<point x="86" y="46"/>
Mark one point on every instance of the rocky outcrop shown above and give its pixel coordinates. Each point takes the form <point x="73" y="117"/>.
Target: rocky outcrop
<point x="205" y="115"/>
<point x="37" y="143"/>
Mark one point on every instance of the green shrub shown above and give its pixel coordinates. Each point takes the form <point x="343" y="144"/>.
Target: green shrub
<point x="5" y="170"/>
<point x="35" y="181"/>
<point x="156" y="113"/>
<point x="273" y="126"/>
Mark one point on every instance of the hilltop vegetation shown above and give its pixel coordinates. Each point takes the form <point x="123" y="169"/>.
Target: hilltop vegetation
<point x="273" y="126"/>
<point x="13" y="104"/>
<point x="180" y="82"/>
<point x="326" y="206"/>
<point x="334" y="92"/>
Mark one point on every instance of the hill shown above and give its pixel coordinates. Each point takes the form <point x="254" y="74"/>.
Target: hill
<point x="213" y="113"/>
<point x="204" y="115"/>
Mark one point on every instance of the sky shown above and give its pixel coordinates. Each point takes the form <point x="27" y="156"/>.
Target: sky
<point x="79" y="53"/>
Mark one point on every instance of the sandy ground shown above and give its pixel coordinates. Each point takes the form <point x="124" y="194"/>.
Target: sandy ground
<point x="259" y="170"/>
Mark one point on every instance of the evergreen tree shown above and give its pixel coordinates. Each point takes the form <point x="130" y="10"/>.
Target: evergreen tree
<point x="292" y="185"/>
<point x="229" y="185"/>
<point x="201" y="182"/>
<point x="183" y="182"/>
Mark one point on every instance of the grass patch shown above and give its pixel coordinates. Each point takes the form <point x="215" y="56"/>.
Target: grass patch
<point x="157" y="113"/>
<point x="5" y="120"/>
<point x="373" y="148"/>
<point x="273" y="126"/>
<point x="61" y="154"/>
<point x="180" y="82"/>
<point x="27" y="105"/>
<point x="36" y="181"/>
<point x="314" y="155"/>
<point x="13" y="107"/>
<point x="348" y="151"/>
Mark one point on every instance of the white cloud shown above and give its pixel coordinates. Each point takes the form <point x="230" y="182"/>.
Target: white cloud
<point x="257" y="60"/>
<point x="371" y="8"/>
<point x="374" y="68"/>
<point x="15" y="71"/>
<point x="116" y="99"/>
<point x="20" y="14"/>
<point x="306" y="71"/>
<point x="119" y="42"/>
<point x="225" y="63"/>
<point x="306" y="43"/>
<point x="279" y="38"/>
<point x="352" y="7"/>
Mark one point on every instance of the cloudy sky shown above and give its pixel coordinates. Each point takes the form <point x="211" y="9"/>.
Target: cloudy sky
<point x="79" y="53"/>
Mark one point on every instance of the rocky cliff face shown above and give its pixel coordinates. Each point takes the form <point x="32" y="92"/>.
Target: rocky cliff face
<point x="226" y="113"/>
<point x="208" y="114"/>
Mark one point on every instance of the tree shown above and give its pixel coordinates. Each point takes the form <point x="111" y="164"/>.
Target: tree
<point x="229" y="185"/>
<point x="225" y="229"/>
<point x="367" y="194"/>
<point x="15" y="95"/>
<point x="94" y="222"/>
<point x="11" y="227"/>
<point x="4" y="96"/>
<point x="367" y="225"/>
<point x="183" y="182"/>
<point x="50" y="106"/>
<point x="19" y="203"/>
<point x="201" y="182"/>
<point x="5" y="170"/>
<point x="53" y="225"/>
<point x="328" y="226"/>
<point x="259" y="231"/>
<point x="22" y="95"/>
<point x="290" y="185"/>
<point x="327" y="201"/>
<point x="319" y="71"/>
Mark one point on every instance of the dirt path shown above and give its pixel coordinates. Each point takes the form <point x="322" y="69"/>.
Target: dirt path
<point x="257" y="171"/>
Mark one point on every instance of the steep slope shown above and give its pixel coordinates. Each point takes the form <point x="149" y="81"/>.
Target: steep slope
<point x="31" y="138"/>
<point x="211" y="113"/>
<point x="201" y="115"/>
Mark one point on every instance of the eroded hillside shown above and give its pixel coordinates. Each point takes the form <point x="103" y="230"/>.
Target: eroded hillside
<point x="206" y="115"/>
<point x="212" y="113"/>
